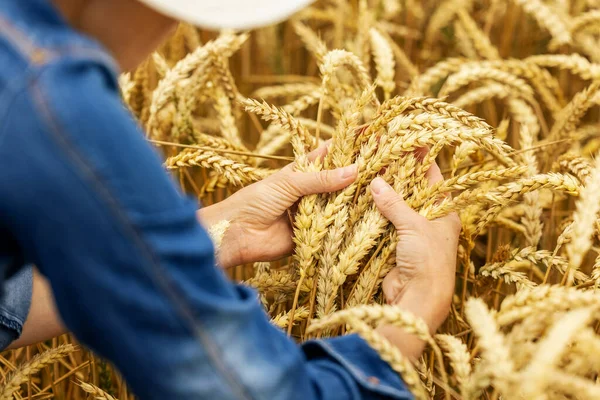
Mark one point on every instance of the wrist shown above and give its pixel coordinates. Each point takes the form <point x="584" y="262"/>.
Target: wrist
<point x="428" y="301"/>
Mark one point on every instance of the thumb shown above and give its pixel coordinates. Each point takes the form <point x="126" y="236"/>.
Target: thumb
<point x="323" y="181"/>
<point x="393" y="207"/>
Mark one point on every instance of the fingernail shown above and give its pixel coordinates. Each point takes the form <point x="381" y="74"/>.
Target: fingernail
<point x="348" y="171"/>
<point x="379" y="186"/>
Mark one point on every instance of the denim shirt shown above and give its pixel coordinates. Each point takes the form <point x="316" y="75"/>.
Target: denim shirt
<point x="85" y="198"/>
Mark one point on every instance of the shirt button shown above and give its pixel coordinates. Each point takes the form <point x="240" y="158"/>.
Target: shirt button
<point x="373" y="380"/>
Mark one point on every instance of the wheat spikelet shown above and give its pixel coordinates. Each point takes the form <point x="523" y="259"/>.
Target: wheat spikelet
<point x="568" y="119"/>
<point x="574" y="63"/>
<point x="422" y="84"/>
<point x="273" y="281"/>
<point x="285" y="120"/>
<point x="508" y="274"/>
<point x="574" y="385"/>
<point x="222" y="73"/>
<point x="139" y="94"/>
<point x="341" y="151"/>
<point x="464" y="42"/>
<point x="392" y="355"/>
<point x="22" y="374"/>
<point x="575" y="165"/>
<point x="126" y="85"/>
<point x="160" y="64"/>
<point x="531" y="220"/>
<point x="547" y="19"/>
<point x="224" y="109"/>
<point x="372" y="276"/>
<point x="543" y="299"/>
<point x="584" y="217"/>
<point x="95" y="391"/>
<point x="459" y="357"/>
<point x="206" y="140"/>
<point x="475" y="73"/>
<point x="550" y="349"/>
<point x="311" y="40"/>
<point x="548" y="260"/>
<point x="361" y="44"/>
<point x="375" y="315"/>
<point x="197" y="61"/>
<point x="427" y="197"/>
<point x="403" y="60"/>
<point x="482" y="94"/>
<point x="504" y="194"/>
<point x="237" y="173"/>
<point x="582" y="359"/>
<point x="492" y="342"/>
<point x="282" y="320"/>
<point x="585" y="21"/>
<point x="384" y="60"/>
<point x="338" y="58"/>
<point x="442" y="17"/>
<point x="480" y="41"/>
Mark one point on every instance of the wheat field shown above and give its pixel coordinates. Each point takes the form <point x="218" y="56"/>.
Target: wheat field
<point x="503" y="94"/>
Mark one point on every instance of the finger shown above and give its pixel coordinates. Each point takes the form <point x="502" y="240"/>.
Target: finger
<point x="421" y="152"/>
<point x="317" y="154"/>
<point x="305" y="183"/>
<point x="393" y="207"/>
<point x="452" y="223"/>
<point x="320" y="152"/>
<point x="434" y="174"/>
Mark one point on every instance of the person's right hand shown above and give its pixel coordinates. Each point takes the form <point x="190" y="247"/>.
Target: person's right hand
<point x="423" y="280"/>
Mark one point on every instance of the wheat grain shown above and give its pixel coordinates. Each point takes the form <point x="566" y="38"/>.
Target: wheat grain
<point x="95" y="391"/>
<point x="384" y="60"/>
<point x="585" y="215"/>
<point x="23" y="373"/>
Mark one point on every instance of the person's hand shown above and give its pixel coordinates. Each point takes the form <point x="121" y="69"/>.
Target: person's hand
<point x="260" y="214"/>
<point x="423" y="280"/>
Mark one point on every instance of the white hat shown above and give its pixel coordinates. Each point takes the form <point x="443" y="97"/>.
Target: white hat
<point x="228" y="14"/>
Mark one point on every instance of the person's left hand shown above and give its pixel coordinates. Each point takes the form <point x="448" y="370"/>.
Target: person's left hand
<point x="260" y="227"/>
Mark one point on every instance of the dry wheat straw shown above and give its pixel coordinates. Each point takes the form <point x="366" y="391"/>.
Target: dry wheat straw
<point x="23" y="373"/>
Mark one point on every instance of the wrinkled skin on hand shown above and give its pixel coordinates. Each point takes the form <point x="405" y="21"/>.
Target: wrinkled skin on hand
<point x="261" y="214"/>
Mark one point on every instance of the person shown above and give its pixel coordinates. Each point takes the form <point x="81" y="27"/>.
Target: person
<point x="84" y="197"/>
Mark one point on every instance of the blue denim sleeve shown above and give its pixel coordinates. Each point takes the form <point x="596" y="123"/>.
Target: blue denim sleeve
<point x="133" y="272"/>
<point x="340" y="364"/>
<point x="14" y="305"/>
